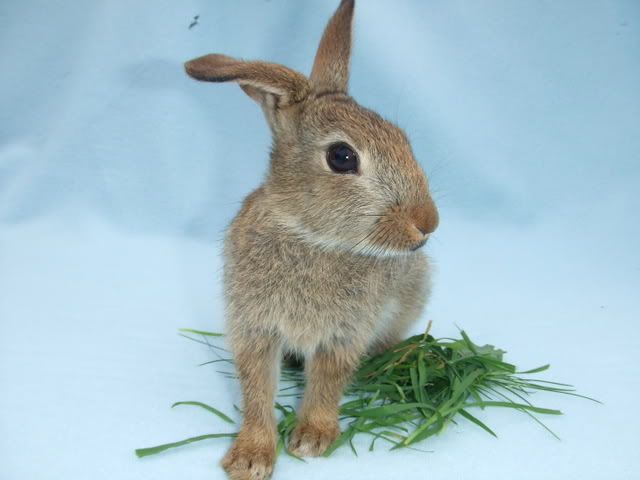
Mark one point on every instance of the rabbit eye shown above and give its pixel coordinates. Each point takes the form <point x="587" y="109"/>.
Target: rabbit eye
<point x="342" y="159"/>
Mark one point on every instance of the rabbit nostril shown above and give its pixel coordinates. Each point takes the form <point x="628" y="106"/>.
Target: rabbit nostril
<point x="422" y="229"/>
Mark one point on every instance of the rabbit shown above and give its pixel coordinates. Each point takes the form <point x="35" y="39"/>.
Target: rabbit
<point x="323" y="260"/>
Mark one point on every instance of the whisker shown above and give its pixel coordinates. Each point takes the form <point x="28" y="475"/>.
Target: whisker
<point x="352" y="249"/>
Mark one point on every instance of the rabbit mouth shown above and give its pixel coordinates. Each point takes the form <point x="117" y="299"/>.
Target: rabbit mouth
<point x="403" y="248"/>
<point x="403" y="230"/>
<point x="420" y="244"/>
<point x="393" y="238"/>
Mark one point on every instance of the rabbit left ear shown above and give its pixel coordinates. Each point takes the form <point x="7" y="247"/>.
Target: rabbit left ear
<point x="272" y="86"/>
<point x="331" y="66"/>
<point x="269" y="84"/>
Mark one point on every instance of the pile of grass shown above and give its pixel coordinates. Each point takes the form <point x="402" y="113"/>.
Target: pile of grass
<point x="408" y="393"/>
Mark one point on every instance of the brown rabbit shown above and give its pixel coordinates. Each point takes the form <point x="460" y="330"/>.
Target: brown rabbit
<point x="323" y="259"/>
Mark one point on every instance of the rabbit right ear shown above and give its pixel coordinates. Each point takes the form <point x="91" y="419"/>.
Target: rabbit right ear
<point x="270" y="84"/>
<point x="331" y="66"/>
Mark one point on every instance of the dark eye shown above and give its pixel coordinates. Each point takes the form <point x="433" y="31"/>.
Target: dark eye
<point x="342" y="159"/>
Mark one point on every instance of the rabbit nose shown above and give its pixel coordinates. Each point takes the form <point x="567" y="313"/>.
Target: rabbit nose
<point x="424" y="217"/>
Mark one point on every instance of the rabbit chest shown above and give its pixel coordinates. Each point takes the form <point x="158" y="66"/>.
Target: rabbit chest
<point x="310" y="297"/>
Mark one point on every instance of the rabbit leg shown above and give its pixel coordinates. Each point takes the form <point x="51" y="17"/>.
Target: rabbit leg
<point x="253" y="453"/>
<point x="328" y="372"/>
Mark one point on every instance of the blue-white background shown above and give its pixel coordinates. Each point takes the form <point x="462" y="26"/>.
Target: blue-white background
<point x="118" y="175"/>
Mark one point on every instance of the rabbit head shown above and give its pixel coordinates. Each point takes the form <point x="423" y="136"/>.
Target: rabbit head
<point x="341" y="176"/>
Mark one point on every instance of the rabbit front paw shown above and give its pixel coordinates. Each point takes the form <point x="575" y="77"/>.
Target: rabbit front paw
<point x="312" y="440"/>
<point x="249" y="459"/>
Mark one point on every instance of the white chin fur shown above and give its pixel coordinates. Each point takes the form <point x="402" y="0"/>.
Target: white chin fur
<point x="328" y="244"/>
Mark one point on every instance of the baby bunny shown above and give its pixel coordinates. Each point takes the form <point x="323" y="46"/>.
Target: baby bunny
<point x="323" y="260"/>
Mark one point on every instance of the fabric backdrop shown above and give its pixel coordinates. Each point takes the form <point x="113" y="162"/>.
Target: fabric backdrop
<point x="118" y="175"/>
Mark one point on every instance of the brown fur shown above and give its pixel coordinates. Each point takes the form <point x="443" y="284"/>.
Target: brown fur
<point x="331" y="66"/>
<point x="323" y="265"/>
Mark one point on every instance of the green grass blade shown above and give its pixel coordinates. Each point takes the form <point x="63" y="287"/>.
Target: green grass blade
<point x="535" y="370"/>
<point x="517" y="406"/>
<point x="200" y="332"/>
<point x="208" y="408"/>
<point x="387" y="410"/>
<point x="468" y="342"/>
<point x="477" y="421"/>
<point x="145" y="452"/>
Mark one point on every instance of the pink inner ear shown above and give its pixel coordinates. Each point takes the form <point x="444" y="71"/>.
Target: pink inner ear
<point x="253" y="92"/>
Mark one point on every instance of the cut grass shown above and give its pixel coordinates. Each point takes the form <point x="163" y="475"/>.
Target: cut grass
<point x="408" y="393"/>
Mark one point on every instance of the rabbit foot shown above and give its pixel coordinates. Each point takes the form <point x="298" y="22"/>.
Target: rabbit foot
<point x="249" y="460"/>
<point x="311" y="440"/>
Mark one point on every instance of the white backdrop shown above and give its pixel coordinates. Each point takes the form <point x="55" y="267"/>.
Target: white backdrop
<point x="118" y="175"/>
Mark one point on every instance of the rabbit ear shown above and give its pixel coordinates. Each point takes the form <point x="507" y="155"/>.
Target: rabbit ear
<point x="331" y="66"/>
<point x="269" y="84"/>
